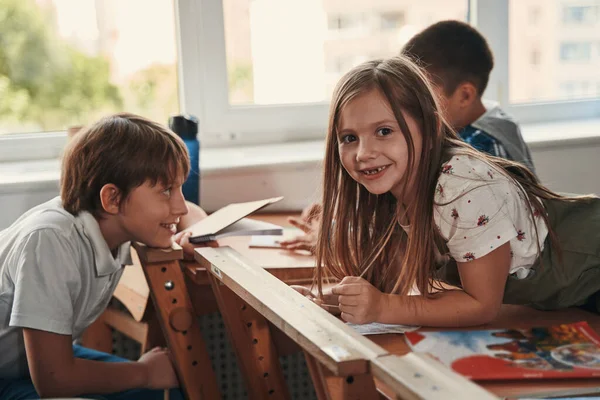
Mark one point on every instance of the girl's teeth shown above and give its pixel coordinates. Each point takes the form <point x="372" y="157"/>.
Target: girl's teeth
<point x="374" y="171"/>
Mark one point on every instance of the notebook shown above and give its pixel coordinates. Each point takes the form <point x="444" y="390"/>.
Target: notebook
<point x="231" y="221"/>
<point x="560" y="351"/>
<point x="274" y="241"/>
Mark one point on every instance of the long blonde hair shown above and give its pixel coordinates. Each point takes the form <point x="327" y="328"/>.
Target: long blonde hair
<point x="359" y="232"/>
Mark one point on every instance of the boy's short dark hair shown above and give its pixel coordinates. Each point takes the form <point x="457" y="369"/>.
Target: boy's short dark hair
<point x="125" y="150"/>
<point x="452" y="52"/>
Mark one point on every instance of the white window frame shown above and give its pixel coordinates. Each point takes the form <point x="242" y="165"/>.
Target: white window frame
<point x="226" y="125"/>
<point x="492" y="20"/>
<point x="204" y="92"/>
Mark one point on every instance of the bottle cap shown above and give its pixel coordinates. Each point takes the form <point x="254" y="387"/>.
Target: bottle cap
<point x="185" y="126"/>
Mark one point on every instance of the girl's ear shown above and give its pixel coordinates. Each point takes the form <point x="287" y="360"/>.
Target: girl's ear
<point x="110" y="197"/>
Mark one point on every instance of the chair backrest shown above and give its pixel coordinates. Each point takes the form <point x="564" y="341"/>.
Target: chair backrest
<point x="133" y="290"/>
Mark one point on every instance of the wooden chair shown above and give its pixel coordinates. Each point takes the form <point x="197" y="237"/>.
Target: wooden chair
<point x="342" y="363"/>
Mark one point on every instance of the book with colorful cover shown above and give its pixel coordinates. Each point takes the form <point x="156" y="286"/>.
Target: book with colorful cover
<point x="561" y="351"/>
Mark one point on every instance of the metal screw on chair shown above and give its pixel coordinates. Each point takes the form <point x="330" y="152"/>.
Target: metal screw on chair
<point x="169" y="285"/>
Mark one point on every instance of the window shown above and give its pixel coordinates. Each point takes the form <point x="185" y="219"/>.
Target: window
<point x="535" y="57"/>
<point x="345" y="22"/>
<point x="391" y="21"/>
<point x="544" y="58"/>
<point x="580" y="14"/>
<point x="258" y="71"/>
<point x="534" y="15"/>
<point x="576" y="51"/>
<point x="67" y="62"/>
<point x="281" y="50"/>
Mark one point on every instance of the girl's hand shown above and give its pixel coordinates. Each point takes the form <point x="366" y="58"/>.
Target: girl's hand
<point x="183" y="239"/>
<point x="306" y="242"/>
<point x="309" y="224"/>
<point x="359" y="301"/>
<point x="324" y="304"/>
<point x="304" y="291"/>
<point x="159" y="369"/>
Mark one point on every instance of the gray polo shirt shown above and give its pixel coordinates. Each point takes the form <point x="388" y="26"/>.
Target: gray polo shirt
<point x="57" y="274"/>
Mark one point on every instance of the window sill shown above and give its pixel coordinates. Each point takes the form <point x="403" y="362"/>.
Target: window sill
<point x="43" y="175"/>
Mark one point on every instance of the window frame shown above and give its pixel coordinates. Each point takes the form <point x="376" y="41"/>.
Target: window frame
<point x="225" y="125"/>
<point x="491" y="17"/>
<point x="203" y="89"/>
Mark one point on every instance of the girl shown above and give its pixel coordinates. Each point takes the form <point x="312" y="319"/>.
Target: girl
<point x="416" y="206"/>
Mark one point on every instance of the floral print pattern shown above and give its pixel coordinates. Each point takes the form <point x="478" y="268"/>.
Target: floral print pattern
<point x="469" y="256"/>
<point x="479" y="210"/>
<point x="447" y="169"/>
<point x="482" y="220"/>
<point x="440" y="190"/>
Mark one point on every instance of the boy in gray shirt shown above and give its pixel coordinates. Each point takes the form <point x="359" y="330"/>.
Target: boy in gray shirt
<point x="61" y="261"/>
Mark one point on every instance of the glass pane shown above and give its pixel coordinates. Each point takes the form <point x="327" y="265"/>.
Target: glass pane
<point x="67" y="62"/>
<point x="290" y="51"/>
<point x="554" y="50"/>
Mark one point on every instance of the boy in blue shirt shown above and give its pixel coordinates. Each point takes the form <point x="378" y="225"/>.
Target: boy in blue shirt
<point x="458" y="61"/>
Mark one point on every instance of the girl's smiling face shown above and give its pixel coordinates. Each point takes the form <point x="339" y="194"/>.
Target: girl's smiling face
<point x="373" y="149"/>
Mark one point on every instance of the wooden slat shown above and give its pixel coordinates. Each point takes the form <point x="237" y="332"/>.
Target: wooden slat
<point x="153" y="255"/>
<point x="416" y="376"/>
<point x="123" y="323"/>
<point x="329" y="340"/>
<point x="133" y="290"/>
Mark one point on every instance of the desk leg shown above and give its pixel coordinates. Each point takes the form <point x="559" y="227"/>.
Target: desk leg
<point x="181" y="330"/>
<point x="318" y="378"/>
<point x="331" y="387"/>
<point x="254" y="347"/>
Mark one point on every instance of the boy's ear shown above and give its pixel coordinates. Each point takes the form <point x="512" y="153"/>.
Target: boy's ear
<point x="110" y="197"/>
<point x="466" y="93"/>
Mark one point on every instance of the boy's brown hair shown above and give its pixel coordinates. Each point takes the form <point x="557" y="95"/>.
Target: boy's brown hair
<point x="125" y="150"/>
<point x="452" y="52"/>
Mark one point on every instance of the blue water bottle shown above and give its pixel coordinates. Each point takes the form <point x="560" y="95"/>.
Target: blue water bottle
<point x="186" y="127"/>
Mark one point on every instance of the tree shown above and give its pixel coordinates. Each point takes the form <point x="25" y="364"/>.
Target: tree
<point x="44" y="80"/>
<point x="153" y="92"/>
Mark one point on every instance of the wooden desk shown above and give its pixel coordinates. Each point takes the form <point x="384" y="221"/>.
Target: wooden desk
<point x="516" y="317"/>
<point x="290" y="267"/>
<point x="298" y="268"/>
<point x="510" y="316"/>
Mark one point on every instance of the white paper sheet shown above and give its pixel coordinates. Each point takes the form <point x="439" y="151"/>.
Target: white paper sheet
<point x="376" y="328"/>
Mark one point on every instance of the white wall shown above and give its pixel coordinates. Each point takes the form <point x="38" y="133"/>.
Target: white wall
<point x="572" y="167"/>
<point x="15" y="202"/>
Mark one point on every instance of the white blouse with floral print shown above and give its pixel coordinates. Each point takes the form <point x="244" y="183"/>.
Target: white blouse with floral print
<point x="478" y="209"/>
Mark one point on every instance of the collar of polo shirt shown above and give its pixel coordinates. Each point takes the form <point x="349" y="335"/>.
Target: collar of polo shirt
<point x="104" y="262"/>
